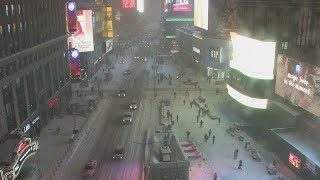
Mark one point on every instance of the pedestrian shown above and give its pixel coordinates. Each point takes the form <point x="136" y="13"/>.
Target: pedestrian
<point x="168" y="114"/>
<point x="188" y="93"/>
<point x="235" y="154"/>
<point x="175" y="94"/>
<point x="213" y="138"/>
<point x="240" y="165"/>
<point x="171" y="116"/>
<point x="172" y="122"/>
<point x="191" y="104"/>
<point x="177" y="117"/>
<point x="201" y="123"/>
<point x="219" y="120"/>
<point x="184" y="102"/>
<point x="215" y="176"/>
<point x="210" y="132"/>
<point x="188" y="134"/>
<point x="206" y="137"/>
<point x="198" y="119"/>
<point x="58" y="130"/>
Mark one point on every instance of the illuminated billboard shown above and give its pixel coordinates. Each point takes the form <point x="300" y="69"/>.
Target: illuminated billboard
<point x="140" y="6"/>
<point x="298" y="82"/>
<point x="182" y="6"/>
<point x="109" y="44"/>
<point x="201" y="13"/>
<point x="107" y="22"/>
<point x="128" y="4"/>
<point x="71" y="17"/>
<point x="246" y="100"/>
<point x="74" y="57"/>
<point x="82" y="38"/>
<point x="252" y="57"/>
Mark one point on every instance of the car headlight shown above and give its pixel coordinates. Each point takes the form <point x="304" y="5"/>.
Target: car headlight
<point x="118" y="94"/>
<point x="124" y="120"/>
<point x="130" y="106"/>
<point x="124" y="94"/>
<point x="120" y="157"/>
<point x="113" y="157"/>
<point x="130" y="120"/>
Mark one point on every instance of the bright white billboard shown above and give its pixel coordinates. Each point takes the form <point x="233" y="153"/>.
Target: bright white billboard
<point x="201" y="13"/>
<point x="246" y="100"/>
<point x="140" y="6"/>
<point x="252" y="57"/>
<point x="82" y="39"/>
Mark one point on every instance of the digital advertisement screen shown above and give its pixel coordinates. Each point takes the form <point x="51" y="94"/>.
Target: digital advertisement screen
<point x="128" y="4"/>
<point x="298" y="82"/>
<point x="140" y="6"/>
<point x="182" y="6"/>
<point x="71" y="17"/>
<point x="201" y="13"/>
<point x="252" y="57"/>
<point x="109" y="44"/>
<point x="82" y="38"/>
<point x="74" y="57"/>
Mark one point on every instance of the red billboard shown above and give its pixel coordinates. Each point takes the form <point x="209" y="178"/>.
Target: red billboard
<point x="182" y="7"/>
<point x="74" y="63"/>
<point x="299" y="82"/>
<point x="128" y="4"/>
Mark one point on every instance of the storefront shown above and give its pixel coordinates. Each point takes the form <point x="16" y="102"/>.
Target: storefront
<point x="18" y="149"/>
<point x="216" y="56"/>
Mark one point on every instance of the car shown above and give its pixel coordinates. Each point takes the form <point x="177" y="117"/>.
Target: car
<point x="90" y="168"/>
<point x="144" y="59"/>
<point x="146" y="46"/>
<point x="133" y="105"/>
<point x="136" y="57"/>
<point x="122" y="62"/>
<point x="122" y="93"/>
<point x="190" y="82"/>
<point x="127" y="117"/>
<point x="127" y="72"/>
<point x="118" y="153"/>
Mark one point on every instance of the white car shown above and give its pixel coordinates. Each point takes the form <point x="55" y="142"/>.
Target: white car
<point x="136" y="57"/>
<point x="133" y="105"/>
<point x="127" y="117"/>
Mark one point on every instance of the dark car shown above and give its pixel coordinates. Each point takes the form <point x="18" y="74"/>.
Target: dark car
<point x="122" y="62"/>
<point x="122" y="93"/>
<point x="133" y="105"/>
<point x="127" y="72"/>
<point x="118" y="153"/>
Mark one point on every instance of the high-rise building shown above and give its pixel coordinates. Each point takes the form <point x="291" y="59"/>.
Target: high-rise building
<point x="34" y="69"/>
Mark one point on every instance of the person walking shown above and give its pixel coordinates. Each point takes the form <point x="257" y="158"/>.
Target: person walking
<point x="171" y="116"/>
<point x="240" y="165"/>
<point x="168" y="114"/>
<point x="184" y="102"/>
<point x="219" y="120"/>
<point x="206" y="137"/>
<point x="235" y="154"/>
<point x="188" y="134"/>
<point x="191" y="104"/>
<point x="213" y="138"/>
<point x="215" y="176"/>
<point x="210" y="132"/>
<point x="201" y="123"/>
<point x="177" y="117"/>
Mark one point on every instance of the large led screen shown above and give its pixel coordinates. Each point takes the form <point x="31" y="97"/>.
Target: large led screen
<point x="252" y="57"/>
<point x="74" y="57"/>
<point x="298" y="82"/>
<point x="71" y="17"/>
<point x="82" y="38"/>
<point x="182" y="6"/>
<point x="128" y="4"/>
<point x="201" y="13"/>
<point x="140" y="6"/>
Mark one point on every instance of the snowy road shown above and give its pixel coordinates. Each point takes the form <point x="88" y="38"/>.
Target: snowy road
<point x="107" y="131"/>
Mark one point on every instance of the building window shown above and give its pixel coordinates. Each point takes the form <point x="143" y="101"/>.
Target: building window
<point x="284" y="45"/>
<point x="12" y="9"/>
<point x="8" y="28"/>
<point x="14" y="27"/>
<point x="19" y="9"/>
<point x="20" y="26"/>
<point x="7" y="10"/>
<point x="1" y="30"/>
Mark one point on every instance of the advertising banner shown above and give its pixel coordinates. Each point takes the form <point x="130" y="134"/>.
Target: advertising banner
<point x="298" y="82"/>
<point x="82" y="38"/>
<point x="140" y="6"/>
<point x="109" y="44"/>
<point x="201" y="13"/>
<point x="109" y="22"/>
<point x="182" y="8"/>
<point x="74" y="57"/>
<point x="71" y="17"/>
<point x="215" y="53"/>
<point x="128" y="4"/>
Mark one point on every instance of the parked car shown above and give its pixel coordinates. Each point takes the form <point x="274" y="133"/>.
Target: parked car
<point x="118" y="153"/>
<point x="122" y="93"/>
<point x="127" y="117"/>
<point x="133" y="105"/>
<point x="90" y="168"/>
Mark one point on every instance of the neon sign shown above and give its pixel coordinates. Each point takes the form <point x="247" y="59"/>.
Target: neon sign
<point x="294" y="160"/>
<point x="53" y="102"/>
<point x="22" y="146"/>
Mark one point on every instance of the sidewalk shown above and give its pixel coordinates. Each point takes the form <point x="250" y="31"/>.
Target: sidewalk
<point x="219" y="156"/>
